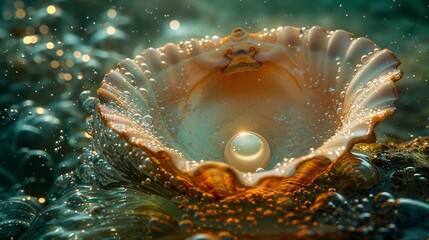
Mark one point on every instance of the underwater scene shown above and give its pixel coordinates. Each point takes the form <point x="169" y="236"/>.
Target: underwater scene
<point x="227" y="119"/>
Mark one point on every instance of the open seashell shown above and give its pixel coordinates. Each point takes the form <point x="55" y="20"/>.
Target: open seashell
<point x="251" y="105"/>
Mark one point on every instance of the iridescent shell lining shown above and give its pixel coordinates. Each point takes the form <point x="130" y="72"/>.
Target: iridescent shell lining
<point x="311" y="93"/>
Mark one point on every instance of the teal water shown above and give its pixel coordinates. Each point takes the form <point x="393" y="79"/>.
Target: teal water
<point x="51" y="51"/>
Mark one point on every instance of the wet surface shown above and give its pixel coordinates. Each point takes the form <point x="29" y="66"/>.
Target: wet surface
<point x="53" y="182"/>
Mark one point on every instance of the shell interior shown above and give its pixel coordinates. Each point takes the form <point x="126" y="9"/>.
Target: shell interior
<point x="309" y="92"/>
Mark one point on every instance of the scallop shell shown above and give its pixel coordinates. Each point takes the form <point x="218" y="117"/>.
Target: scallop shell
<point x="311" y="93"/>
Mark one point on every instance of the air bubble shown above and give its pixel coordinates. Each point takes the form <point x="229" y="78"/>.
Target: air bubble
<point x="148" y="118"/>
<point x="90" y="104"/>
<point x="410" y="170"/>
<point x="129" y="75"/>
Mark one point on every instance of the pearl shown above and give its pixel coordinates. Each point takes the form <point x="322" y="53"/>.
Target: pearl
<point x="247" y="151"/>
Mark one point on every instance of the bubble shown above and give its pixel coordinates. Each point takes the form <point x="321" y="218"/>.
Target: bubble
<point x="411" y="213"/>
<point x="148" y="118"/>
<point x="89" y="104"/>
<point x="174" y="25"/>
<point x="129" y="75"/>
<point x="410" y="170"/>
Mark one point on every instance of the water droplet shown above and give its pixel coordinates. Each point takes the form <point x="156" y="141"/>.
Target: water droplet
<point x="129" y="75"/>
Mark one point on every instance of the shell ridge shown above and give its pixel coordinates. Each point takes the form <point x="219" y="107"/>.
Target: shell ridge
<point x="357" y="48"/>
<point x="129" y="129"/>
<point x="289" y="37"/>
<point x="143" y="77"/>
<point x="153" y="60"/>
<point x="338" y="45"/>
<point x="172" y="55"/>
<point x="109" y="94"/>
<point x="141" y="81"/>
<point x="115" y="86"/>
<point x="134" y="94"/>
<point x="339" y="42"/>
<point x="370" y="73"/>
<point x="208" y="58"/>
<point x="317" y="42"/>
<point x="378" y="98"/>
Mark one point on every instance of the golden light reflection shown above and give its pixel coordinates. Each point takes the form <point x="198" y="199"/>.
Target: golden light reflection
<point x="26" y="40"/>
<point x="111" y="13"/>
<point x="174" y="25"/>
<point x="86" y="58"/>
<point x="50" y="45"/>
<point x="67" y="76"/>
<point x="60" y="52"/>
<point x="77" y="54"/>
<point x="20" y="13"/>
<point x="51" y="9"/>
<point x="40" y="110"/>
<point x="111" y="30"/>
<point x="55" y="64"/>
<point x="31" y="39"/>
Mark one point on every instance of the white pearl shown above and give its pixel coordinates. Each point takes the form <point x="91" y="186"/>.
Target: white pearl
<point x="247" y="151"/>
